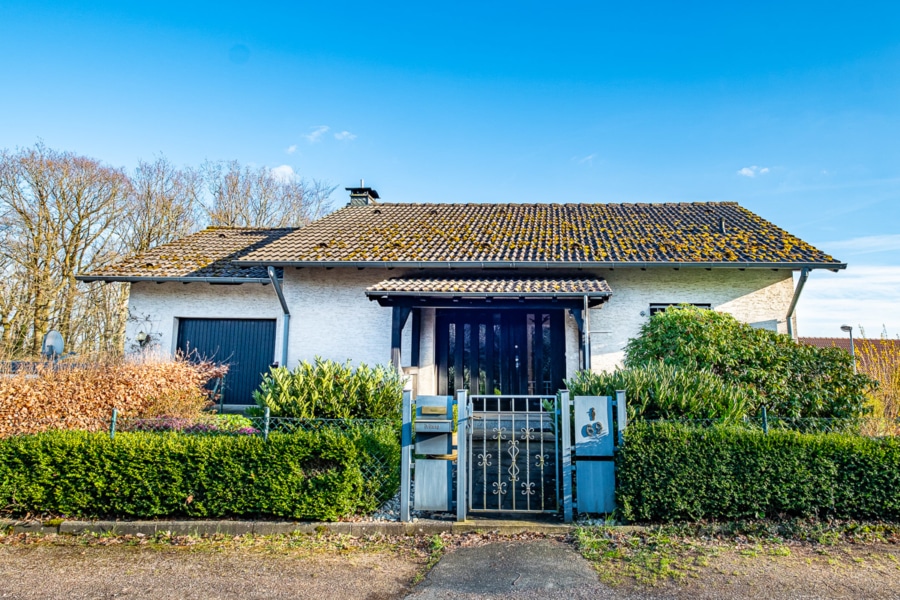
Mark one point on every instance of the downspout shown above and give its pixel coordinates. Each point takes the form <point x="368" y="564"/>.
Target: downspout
<point x="804" y="275"/>
<point x="286" y="319"/>
<point x="586" y="323"/>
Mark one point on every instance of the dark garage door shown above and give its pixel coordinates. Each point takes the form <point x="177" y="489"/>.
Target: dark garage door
<point x="246" y="345"/>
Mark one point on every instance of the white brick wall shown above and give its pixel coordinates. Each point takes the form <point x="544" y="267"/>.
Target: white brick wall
<point x="757" y="296"/>
<point x="155" y="308"/>
<point x="332" y="318"/>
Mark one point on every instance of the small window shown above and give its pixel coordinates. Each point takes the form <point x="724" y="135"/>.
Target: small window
<point x="655" y="308"/>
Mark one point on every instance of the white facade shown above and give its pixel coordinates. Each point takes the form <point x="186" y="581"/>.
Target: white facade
<point x="155" y="308"/>
<point x="331" y="316"/>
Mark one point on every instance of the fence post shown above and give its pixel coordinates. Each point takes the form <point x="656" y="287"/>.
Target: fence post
<point x="112" y="424"/>
<point x="765" y="417"/>
<point x="462" y="453"/>
<point x="405" y="456"/>
<point x="266" y="425"/>
<point x="566" y="440"/>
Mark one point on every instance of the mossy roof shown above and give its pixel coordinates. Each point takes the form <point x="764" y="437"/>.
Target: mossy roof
<point x="207" y="254"/>
<point x="601" y="234"/>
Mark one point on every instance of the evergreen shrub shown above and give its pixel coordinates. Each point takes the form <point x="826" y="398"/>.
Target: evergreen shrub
<point x="326" y="389"/>
<point x="672" y="472"/>
<point x="792" y="380"/>
<point x="320" y="475"/>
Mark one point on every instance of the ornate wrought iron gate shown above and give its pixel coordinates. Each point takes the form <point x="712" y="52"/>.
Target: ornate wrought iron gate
<point x="513" y="454"/>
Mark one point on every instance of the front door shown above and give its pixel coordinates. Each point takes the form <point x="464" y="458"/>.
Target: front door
<point x="506" y="351"/>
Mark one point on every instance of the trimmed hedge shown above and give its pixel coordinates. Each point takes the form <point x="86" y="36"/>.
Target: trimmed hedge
<point x="669" y="472"/>
<point x="323" y="475"/>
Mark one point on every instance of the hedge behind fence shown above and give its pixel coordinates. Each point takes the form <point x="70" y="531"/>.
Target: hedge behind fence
<point x="672" y="472"/>
<point x="304" y="475"/>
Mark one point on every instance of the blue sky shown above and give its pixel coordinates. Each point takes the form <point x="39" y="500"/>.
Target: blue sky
<point x="793" y="111"/>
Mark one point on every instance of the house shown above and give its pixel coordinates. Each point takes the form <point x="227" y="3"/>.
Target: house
<point x="510" y="298"/>
<point x="866" y="350"/>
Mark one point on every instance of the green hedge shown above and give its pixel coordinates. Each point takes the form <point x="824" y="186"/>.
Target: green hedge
<point x="305" y="475"/>
<point x="668" y="472"/>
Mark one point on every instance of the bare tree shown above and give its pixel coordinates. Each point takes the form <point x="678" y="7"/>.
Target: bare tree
<point x="164" y="204"/>
<point x="62" y="214"/>
<point x="259" y="197"/>
<point x="59" y="211"/>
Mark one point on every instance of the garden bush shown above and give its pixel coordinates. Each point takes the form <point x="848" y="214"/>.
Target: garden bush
<point x="82" y="395"/>
<point x="324" y="475"/>
<point x="660" y="391"/>
<point x="327" y="389"/>
<point x="668" y="472"/>
<point x="790" y="379"/>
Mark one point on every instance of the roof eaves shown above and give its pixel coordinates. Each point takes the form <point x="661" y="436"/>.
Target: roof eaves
<point x="136" y="279"/>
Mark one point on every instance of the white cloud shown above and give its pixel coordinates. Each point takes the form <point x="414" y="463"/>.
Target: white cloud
<point x="869" y="244"/>
<point x="587" y="160"/>
<point x="291" y="149"/>
<point x="863" y="295"/>
<point x="344" y="135"/>
<point x="283" y="173"/>
<point x="316" y="134"/>
<point x="753" y="171"/>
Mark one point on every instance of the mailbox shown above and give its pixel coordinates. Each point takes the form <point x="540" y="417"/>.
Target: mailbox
<point x="434" y="439"/>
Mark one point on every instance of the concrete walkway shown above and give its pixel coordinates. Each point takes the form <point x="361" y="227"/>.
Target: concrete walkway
<point x="535" y="569"/>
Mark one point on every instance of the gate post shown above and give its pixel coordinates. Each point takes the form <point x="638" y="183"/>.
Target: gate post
<point x="462" y="453"/>
<point x="406" y="456"/>
<point x="565" y="425"/>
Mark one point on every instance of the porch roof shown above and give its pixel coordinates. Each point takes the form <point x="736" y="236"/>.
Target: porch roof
<point x="492" y="287"/>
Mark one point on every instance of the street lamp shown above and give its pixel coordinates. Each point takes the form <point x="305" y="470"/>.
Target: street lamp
<point x="849" y="329"/>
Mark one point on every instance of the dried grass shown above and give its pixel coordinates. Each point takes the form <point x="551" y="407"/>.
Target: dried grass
<point x="880" y="359"/>
<point x="81" y="395"/>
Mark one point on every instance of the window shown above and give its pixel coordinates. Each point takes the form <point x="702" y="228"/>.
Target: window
<point x="655" y="308"/>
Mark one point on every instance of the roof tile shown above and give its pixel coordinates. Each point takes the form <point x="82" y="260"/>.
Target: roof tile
<point x="600" y="233"/>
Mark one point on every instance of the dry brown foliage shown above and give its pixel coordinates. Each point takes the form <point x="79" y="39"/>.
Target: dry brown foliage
<point x="82" y="395"/>
<point x="880" y="359"/>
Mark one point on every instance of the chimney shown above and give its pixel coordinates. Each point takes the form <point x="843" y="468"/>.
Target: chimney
<point x="362" y="195"/>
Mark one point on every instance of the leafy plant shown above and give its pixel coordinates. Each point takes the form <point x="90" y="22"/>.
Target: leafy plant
<point x="660" y="391"/>
<point x="669" y="472"/>
<point x="327" y="389"/>
<point x="791" y="379"/>
<point x="326" y="474"/>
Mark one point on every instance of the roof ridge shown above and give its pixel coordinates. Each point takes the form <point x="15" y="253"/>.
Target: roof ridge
<point x="435" y="204"/>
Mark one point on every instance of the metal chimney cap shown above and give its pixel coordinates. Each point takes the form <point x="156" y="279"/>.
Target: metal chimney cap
<point x="363" y="191"/>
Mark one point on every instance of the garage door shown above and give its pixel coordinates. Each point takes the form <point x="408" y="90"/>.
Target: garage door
<point x="246" y="345"/>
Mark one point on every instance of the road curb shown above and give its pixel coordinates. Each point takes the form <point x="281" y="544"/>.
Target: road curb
<point x="355" y="529"/>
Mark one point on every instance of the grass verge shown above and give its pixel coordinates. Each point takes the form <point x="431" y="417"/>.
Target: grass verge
<point x="678" y="553"/>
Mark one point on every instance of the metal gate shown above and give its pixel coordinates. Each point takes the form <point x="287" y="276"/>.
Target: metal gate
<point x="514" y="454"/>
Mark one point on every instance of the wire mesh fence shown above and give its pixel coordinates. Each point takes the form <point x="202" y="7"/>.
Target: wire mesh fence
<point x="377" y="440"/>
<point x="768" y="423"/>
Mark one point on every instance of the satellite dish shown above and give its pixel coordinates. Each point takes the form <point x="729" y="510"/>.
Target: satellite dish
<point x="53" y="345"/>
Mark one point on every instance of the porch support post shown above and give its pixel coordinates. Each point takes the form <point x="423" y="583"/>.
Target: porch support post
<point x="416" y="337"/>
<point x="399" y="314"/>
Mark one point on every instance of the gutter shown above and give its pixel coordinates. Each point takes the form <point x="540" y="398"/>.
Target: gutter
<point x="286" y="318"/>
<point x="804" y="275"/>
<point x="213" y="280"/>
<point x="538" y="264"/>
